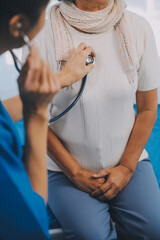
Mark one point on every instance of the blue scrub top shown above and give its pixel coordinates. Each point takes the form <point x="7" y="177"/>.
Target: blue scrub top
<point x="23" y="214"/>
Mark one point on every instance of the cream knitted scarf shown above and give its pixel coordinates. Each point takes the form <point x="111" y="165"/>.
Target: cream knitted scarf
<point x="114" y="15"/>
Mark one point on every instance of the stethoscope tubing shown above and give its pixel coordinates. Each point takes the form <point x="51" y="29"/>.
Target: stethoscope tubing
<point x="84" y="80"/>
<point x="15" y="59"/>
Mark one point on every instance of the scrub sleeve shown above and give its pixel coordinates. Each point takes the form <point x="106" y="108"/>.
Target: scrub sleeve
<point x="23" y="212"/>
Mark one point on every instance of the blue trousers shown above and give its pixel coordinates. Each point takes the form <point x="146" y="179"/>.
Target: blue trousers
<point x="134" y="214"/>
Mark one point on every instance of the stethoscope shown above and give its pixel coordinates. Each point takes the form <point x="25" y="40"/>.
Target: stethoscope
<point x="90" y="60"/>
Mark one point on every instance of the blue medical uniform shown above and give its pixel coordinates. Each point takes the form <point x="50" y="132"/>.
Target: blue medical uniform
<point x="23" y="213"/>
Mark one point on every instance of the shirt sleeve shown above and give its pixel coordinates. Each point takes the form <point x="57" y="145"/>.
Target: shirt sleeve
<point x="23" y="212"/>
<point x="149" y="70"/>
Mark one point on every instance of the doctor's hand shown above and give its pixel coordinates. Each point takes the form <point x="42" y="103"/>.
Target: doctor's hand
<point x="84" y="180"/>
<point x="76" y="68"/>
<point x="37" y="85"/>
<point x="116" y="180"/>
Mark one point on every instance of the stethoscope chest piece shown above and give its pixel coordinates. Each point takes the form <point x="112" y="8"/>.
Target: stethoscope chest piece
<point x="90" y="60"/>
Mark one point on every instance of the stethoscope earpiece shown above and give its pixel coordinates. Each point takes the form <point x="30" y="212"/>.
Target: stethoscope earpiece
<point x="22" y="34"/>
<point x="18" y="64"/>
<point x="19" y="25"/>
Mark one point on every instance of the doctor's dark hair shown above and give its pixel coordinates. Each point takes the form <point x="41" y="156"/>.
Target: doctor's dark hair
<point x="30" y="8"/>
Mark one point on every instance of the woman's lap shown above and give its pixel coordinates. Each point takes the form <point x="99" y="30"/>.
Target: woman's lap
<point x="135" y="210"/>
<point x="79" y="214"/>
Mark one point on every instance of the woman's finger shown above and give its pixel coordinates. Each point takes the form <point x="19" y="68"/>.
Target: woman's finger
<point x="104" y="188"/>
<point x="103" y="173"/>
<point x="110" y="194"/>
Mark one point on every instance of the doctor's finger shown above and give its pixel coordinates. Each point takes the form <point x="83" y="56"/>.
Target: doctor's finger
<point x="89" y="51"/>
<point x="34" y="62"/>
<point x="81" y="47"/>
<point x="31" y="70"/>
<point x="29" y="77"/>
<point x="89" y="67"/>
<point x="44" y="83"/>
<point x="55" y="85"/>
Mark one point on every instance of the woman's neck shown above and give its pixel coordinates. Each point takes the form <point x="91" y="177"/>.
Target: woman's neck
<point x="92" y="5"/>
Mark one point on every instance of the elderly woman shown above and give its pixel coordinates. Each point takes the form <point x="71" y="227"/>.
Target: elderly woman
<point x="99" y="172"/>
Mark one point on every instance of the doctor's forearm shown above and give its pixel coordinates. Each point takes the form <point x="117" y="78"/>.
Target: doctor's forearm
<point x="61" y="156"/>
<point x="140" y="134"/>
<point x="35" y="153"/>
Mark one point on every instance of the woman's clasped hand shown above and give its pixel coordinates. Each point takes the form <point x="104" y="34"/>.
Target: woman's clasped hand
<point x="104" y="185"/>
<point x="116" y="179"/>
